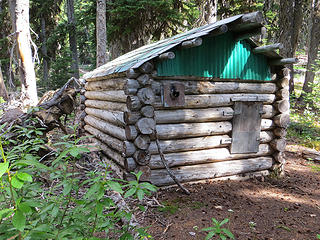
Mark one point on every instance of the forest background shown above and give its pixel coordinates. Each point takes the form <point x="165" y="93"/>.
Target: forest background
<point x="45" y="43"/>
<point x="70" y="37"/>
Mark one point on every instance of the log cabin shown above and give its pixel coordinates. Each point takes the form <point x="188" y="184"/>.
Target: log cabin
<point x="210" y="101"/>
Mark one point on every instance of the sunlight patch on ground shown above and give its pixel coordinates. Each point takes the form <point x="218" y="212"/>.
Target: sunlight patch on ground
<point x="281" y="196"/>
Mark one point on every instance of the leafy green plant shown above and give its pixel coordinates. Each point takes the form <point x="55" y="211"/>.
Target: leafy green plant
<point x="217" y="230"/>
<point x="56" y="201"/>
<point x="318" y="236"/>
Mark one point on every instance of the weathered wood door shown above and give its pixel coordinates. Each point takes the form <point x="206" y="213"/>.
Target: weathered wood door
<point x="246" y="127"/>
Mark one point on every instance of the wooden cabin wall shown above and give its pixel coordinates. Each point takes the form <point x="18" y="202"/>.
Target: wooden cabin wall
<point x="105" y="103"/>
<point x="124" y="113"/>
<point x="196" y="138"/>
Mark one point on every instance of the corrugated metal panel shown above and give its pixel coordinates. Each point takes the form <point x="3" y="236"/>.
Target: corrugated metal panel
<point x="218" y="57"/>
<point x="137" y="57"/>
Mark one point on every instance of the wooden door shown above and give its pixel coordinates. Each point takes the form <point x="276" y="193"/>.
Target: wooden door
<point x="246" y="127"/>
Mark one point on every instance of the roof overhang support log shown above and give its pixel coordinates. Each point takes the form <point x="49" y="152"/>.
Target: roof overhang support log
<point x="268" y="48"/>
<point x="247" y="21"/>
<point x="166" y="56"/>
<point x="192" y="43"/>
<point x="219" y="30"/>
<point x="283" y="61"/>
<point x="251" y="33"/>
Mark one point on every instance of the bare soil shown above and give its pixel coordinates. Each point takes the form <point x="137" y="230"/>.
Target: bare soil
<point x="267" y="208"/>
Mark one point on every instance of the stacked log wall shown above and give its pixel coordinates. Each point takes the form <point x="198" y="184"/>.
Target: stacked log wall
<point x="105" y="103"/>
<point x="281" y="120"/>
<point x="194" y="138"/>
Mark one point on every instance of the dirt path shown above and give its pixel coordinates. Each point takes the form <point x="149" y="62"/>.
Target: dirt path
<point x="266" y="209"/>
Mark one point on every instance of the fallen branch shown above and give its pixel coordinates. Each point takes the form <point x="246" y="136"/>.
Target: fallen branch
<point x="186" y="191"/>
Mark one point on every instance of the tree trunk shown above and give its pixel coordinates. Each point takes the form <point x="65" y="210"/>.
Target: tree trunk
<point x="313" y="48"/>
<point x="72" y="38"/>
<point x="44" y="52"/>
<point x="27" y="73"/>
<point x="3" y="90"/>
<point x="290" y="21"/>
<point x="101" y="28"/>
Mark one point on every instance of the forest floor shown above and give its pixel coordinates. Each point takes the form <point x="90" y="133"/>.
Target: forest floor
<point x="266" y="208"/>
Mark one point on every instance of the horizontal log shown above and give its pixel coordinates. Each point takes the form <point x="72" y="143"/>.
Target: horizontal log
<point x="282" y="120"/>
<point x="183" y="130"/>
<point x="218" y="31"/>
<point x="268" y="48"/>
<point x="197" y="78"/>
<point x="200" y="143"/>
<point x="268" y="111"/>
<point x="146" y="96"/>
<point x="280" y="132"/>
<point x="112" y="166"/>
<point x="193" y="115"/>
<point x="105" y="138"/>
<point x="248" y="34"/>
<point x="266" y="136"/>
<point x="279" y="157"/>
<point x="283" y="61"/>
<point x="236" y="177"/>
<point x="142" y="157"/>
<point x="282" y="105"/>
<point x="208" y="87"/>
<point x="284" y="82"/>
<point x="202" y="115"/>
<point x="142" y="142"/>
<point x="192" y="43"/>
<point x="210" y="170"/>
<point x="147" y="111"/>
<point x="166" y="56"/>
<point x="128" y="148"/>
<point x="130" y="164"/>
<point x="247" y="21"/>
<point x="146" y="125"/>
<point x="114" y="117"/>
<point x="285" y="72"/>
<point x="218" y="100"/>
<point x="133" y="103"/>
<point x="131" y="132"/>
<point x="267" y="124"/>
<point x="112" y="154"/>
<point x="105" y="127"/>
<point x="132" y="73"/>
<point x="131" y="117"/>
<point x="131" y="86"/>
<point x="189" y="144"/>
<point x="99" y="74"/>
<point x="110" y="84"/>
<point x="205" y="156"/>
<point x="146" y="67"/>
<point x="278" y="144"/>
<point x="105" y="105"/>
<point x="112" y="96"/>
<point x="144" y="79"/>
<point x="283" y="93"/>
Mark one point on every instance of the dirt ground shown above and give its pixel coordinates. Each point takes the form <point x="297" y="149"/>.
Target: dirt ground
<point x="268" y="209"/>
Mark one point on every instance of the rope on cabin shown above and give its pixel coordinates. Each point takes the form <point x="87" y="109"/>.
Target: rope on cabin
<point x="186" y="191"/>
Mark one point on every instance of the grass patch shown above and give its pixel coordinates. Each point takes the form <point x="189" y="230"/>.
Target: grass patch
<point x="170" y="207"/>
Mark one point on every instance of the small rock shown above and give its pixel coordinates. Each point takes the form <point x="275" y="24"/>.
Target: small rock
<point x="313" y="215"/>
<point x="192" y="233"/>
<point x="218" y="207"/>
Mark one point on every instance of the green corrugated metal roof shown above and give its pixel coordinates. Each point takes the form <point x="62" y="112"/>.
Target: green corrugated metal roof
<point x="137" y="57"/>
<point x="218" y="57"/>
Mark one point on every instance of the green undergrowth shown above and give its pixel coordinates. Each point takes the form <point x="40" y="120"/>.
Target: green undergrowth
<point x="53" y="199"/>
